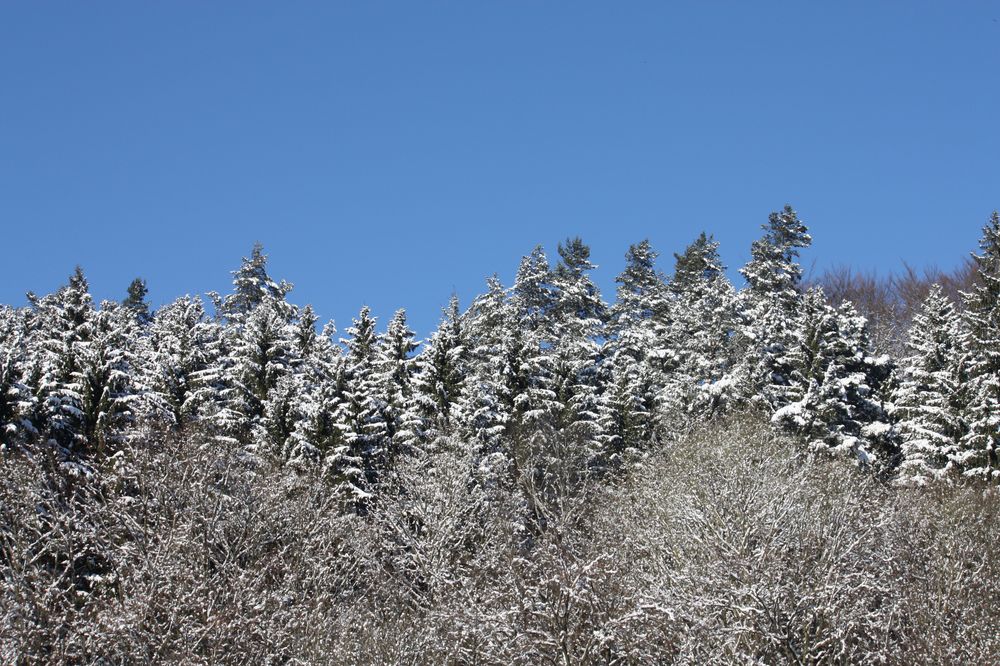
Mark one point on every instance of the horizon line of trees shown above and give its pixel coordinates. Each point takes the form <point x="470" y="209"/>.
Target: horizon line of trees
<point x="543" y="367"/>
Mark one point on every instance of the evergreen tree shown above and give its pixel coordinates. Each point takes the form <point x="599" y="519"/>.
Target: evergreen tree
<point x="926" y="403"/>
<point x="135" y="301"/>
<point x="185" y="353"/>
<point x="366" y="418"/>
<point x="980" y="452"/>
<point x="573" y="354"/>
<point x="533" y="294"/>
<point x="769" y="309"/>
<point x="694" y="346"/>
<point x="439" y="381"/>
<point x="395" y="367"/>
<point x="259" y="351"/>
<point x="835" y="396"/>
<point x="16" y="399"/>
<point x="109" y="378"/>
<point x="629" y="402"/>
<point x="252" y="286"/>
<point x="62" y="329"/>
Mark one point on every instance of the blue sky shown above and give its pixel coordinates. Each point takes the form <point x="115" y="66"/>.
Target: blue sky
<point x="391" y="153"/>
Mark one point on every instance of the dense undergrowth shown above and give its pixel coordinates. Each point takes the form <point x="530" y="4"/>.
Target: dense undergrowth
<point x="729" y="545"/>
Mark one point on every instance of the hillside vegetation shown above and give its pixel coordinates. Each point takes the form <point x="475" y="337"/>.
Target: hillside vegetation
<point x="693" y="473"/>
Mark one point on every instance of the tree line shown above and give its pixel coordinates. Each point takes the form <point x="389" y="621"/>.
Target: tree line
<point x="546" y="355"/>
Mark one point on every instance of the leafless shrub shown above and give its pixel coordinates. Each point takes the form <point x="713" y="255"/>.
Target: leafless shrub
<point x="727" y="546"/>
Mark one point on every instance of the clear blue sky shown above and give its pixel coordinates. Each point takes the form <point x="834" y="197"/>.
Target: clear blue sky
<point x="390" y="153"/>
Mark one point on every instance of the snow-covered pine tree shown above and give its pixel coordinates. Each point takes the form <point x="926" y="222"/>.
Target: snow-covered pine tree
<point x="572" y="356"/>
<point x="305" y="333"/>
<point x="366" y="421"/>
<point x="323" y="434"/>
<point x="438" y="383"/>
<point x="629" y="405"/>
<point x="769" y="311"/>
<point x="185" y="351"/>
<point x="533" y="294"/>
<point x="260" y="352"/>
<point x="926" y="401"/>
<point x="696" y="339"/>
<point x="62" y="327"/>
<point x="110" y="377"/>
<point x="485" y="408"/>
<point x="252" y="286"/>
<point x="135" y="301"/>
<point x="395" y="368"/>
<point x="16" y="399"/>
<point x="835" y="393"/>
<point x="980" y="451"/>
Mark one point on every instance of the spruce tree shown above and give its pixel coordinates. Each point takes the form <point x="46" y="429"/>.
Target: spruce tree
<point x="185" y="353"/>
<point x="395" y="368"/>
<point x="16" y="399"/>
<point x="769" y="310"/>
<point x="366" y="418"/>
<point x="252" y="285"/>
<point x="629" y="404"/>
<point x="62" y="329"/>
<point x="980" y="452"/>
<point x="695" y="341"/>
<point x="439" y="382"/>
<point x="926" y="403"/>
<point x="135" y="301"/>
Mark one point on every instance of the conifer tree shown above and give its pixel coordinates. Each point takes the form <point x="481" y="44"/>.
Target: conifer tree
<point x="110" y="377"/>
<point x="769" y="309"/>
<point x="926" y="403"/>
<point x="135" y="301"/>
<point x="835" y="400"/>
<point x="252" y="286"/>
<point x="395" y="368"/>
<point x="442" y="369"/>
<point x="16" y="399"/>
<point x="980" y="452"/>
<point x="629" y="405"/>
<point x="696" y="339"/>
<point x="324" y="432"/>
<point x="260" y="351"/>
<point x="366" y="418"/>
<point x="62" y="329"/>
<point x="185" y="353"/>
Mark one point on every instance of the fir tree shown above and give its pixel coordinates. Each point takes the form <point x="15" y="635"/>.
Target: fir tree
<point x="135" y="301"/>
<point x="16" y="399"/>
<point x="395" y="368"/>
<point x="252" y="286"/>
<point x="439" y="381"/>
<point x="980" y="451"/>
<point x="769" y="309"/>
<point x="185" y="352"/>
<point x="260" y="351"/>
<point x="366" y="418"/>
<point x="62" y="329"/>
<point x="926" y="403"/>
<point x="835" y="400"/>
<point x="695" y="341"/>
<point x="323" y="433"/>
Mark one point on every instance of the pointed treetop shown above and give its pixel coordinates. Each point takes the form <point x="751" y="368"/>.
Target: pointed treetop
<point x="988" y="263"/>
<point x="773" y="269"/>
<point x="700" y="261"/>
<point x="135" y="300"/>
<point x="574" y="258"/>
<point x="252" y="285"/>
